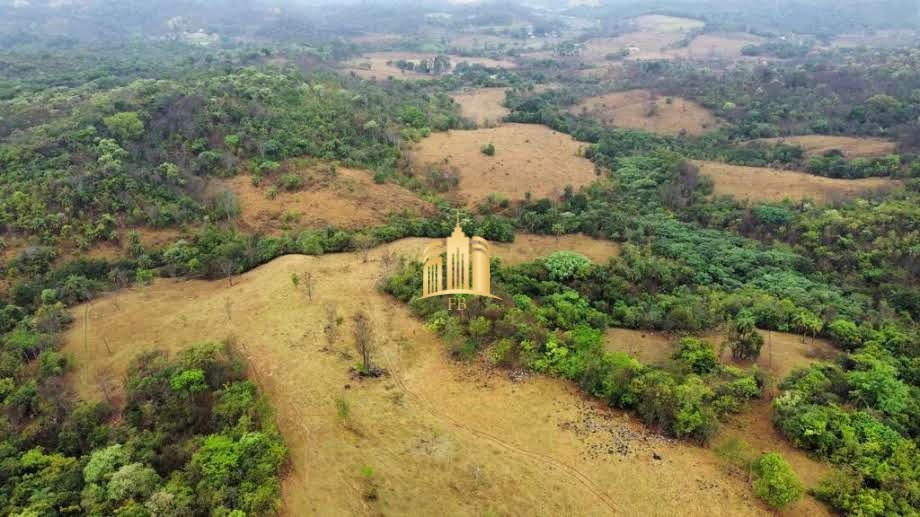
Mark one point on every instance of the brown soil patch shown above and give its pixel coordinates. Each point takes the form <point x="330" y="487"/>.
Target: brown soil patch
<point x="374" y="65"/>
<point x="483" y="105"/>
<point x="527" y="247"/>
<point x="640" y="109"/>
<point x="718" y="46"/>
<point x="442" y="438"/>
<point x="528" y="158"/>
<point x="661" y="23"/>
<point x="349" y="200"/>
<point x="766" y="184"/>
<point x="851" y="146"/>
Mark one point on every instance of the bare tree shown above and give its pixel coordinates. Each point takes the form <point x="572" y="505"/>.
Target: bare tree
<point x="363" y="243"/>
<point x="227" y="266"/>
<point x="104" y="378"/>
<point x="364" y="340"/>
<point x="119" y="278"/>
<point x="331" y="330"/>
<point x="307" y="279"/>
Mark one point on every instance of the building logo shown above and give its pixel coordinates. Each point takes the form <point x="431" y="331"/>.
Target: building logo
<point x="458" y="265"/>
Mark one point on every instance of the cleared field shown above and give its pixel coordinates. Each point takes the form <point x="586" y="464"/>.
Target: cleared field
<point x="374" y="65"/>
<point x="662" y="23"/>
<point x="781" y="353"/>
<point x="527" y="247"/>
<point x="851" y="146"/>
<point x="766" y="184"/>
<point x="442" y="438"/>
<point x="640" y="109"/>
<point x="483" y="105"/>
<point x="641" y="45"/>
<point x="717" y="46"/>
<point x="528" y="158"/>
<point x="351" y="199"/>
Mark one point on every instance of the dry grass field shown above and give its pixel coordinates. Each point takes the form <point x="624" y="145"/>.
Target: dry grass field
<point x="851" y="147"/>
<point x="782" y="352"/>
<point x="351" y="199"/>
<point x="527" y="247"/>
<point x="374" y="65"/>
<point x="644" y="45"/>
<point x="483" y="105"/>
<point x="528" y="158"/>
<point x="640" y="109"/>
<point x="441" y="438"/>
<point x="717" y="46"/>
<point x="661" y="23"/>
<point x="766" y="184"/>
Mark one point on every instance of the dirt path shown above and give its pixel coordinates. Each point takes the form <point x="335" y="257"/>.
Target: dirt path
<point x="441" y="437"/>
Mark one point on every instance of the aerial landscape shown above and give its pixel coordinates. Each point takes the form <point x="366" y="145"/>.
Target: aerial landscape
<point x="689" y="281"/>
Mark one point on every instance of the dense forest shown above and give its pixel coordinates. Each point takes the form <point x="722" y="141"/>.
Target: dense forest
<point x="116" y="123"/>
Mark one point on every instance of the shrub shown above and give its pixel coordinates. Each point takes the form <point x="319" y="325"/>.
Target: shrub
<point x="488" y="149"/>
<point x="564" y="265"/>
<point x="776" y="483"/>
<point x="695" y="355"/>
<point x="292" y="181"/>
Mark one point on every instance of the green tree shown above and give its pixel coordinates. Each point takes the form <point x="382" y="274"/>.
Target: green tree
<point x="743" y="339"/>
<point x="124" y="126"/>
<point x="696" y="355"/>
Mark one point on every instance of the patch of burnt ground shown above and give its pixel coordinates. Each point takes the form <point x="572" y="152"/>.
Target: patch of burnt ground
<point x="608" y="435"/>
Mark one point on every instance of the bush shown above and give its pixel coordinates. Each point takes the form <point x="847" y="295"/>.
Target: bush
<point x="696" y="355"/>
<point x="776" y="483"/>
<point x="488" y="149"/>
<point x="292" y="181"/>
<point x="564" y="265"/>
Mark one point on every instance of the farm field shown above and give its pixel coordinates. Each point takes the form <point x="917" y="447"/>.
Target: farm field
<point x="528" y="158"/>
<point x="374" y="65"/>
<point x="662" y="23"/>
<point x="481" y="441"/>
<point x="641" y="109"/>
<point x="718" y="46"/>
<point x="766" y="184"/>
<point x="482" y="105"/>
<point x="852" y="147"/>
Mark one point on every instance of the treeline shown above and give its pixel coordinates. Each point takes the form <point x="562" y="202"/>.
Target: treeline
<point x="861" y="413"/>
<point x="194" y="437"/>
<point x="141" y="154"/>
<point x="855" y="92"/>
<point x="725" y="145"/>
